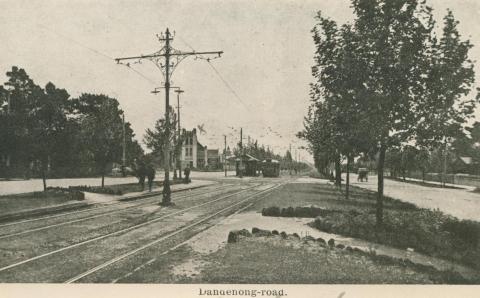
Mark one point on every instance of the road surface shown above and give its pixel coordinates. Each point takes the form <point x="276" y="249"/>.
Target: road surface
<point x="22" y="186"/>
<point x="461" y="203"/>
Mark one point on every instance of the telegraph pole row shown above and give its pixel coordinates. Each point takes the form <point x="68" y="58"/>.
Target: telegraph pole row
<point x="166" y="59"/>
<point x="177" y="161"/>
<point x="241" y="153"/>
<point x="124" y="146"/>
<point x="179" y="156"/>
<point x="225" y="155"/>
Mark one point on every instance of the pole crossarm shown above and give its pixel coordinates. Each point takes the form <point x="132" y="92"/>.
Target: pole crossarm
<point x="166" y="59"/>
<point x="219" y="53"/>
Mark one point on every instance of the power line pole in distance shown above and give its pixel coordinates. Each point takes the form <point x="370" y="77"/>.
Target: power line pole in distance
<point x="124" y="146"/>
<point x="179" y="155"/>
<point x="225" y="155"/>
<point x="166" y="59"/>
<point x="156" y="91"/>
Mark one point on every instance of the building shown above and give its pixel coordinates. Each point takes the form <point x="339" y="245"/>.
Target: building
<point x="248" y="165"/>
<point x="197" y="156"/>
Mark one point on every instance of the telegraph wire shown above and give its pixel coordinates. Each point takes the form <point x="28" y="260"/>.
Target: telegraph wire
<point x="229" y="87"/>
<point x="94" y="51"/>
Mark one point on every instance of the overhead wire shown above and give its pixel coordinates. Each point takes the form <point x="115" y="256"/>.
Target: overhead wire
<point x="224" y="81"/>
<point x="229" y="87"/>
<point x="94" y="51"/>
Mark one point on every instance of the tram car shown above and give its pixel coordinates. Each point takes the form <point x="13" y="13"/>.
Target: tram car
<point x="271" y="168"/>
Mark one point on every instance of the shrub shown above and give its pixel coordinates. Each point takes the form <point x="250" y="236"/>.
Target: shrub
<point x="271" y="211"/>
<point x="427" y="231"/>
<point x="308" y="212"/>
<point x="96" y="189"/>
<point x="465" y="231"/>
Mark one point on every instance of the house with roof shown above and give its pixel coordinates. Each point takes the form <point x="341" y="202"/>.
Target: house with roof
<point x="198" y="156"/>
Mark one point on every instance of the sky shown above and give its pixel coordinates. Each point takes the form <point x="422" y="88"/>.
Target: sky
<point x="261" y="82"/>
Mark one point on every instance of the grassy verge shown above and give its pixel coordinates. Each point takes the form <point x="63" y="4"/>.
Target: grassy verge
<point x="272" y="260"/>
<point x="405" y="226"/>
<point x="32" y="200"/>
<point x="120" y="189"/>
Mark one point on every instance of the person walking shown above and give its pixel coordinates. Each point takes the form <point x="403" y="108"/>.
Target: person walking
<point x="186" y="172"/>
<point x="140" y="173"/>
<point x="150" y="171"/>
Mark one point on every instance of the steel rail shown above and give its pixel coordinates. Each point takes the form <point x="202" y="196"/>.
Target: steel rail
<point x="117" y="232"/>
<point x="143" y="247"/>
<point x="101" y="214"/>
<point x="86" y="210"/>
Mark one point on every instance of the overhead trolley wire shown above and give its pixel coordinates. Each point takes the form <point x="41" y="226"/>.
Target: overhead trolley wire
<point x="224" y="81"/>
<point x="94" y="51"/>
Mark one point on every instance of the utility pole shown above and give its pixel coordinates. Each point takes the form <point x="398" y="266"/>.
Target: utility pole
<point x="178" y="90"/>
<point x="166" y="59"/>
<point x="7" y="157"/>
<point x="225" y="155"/>
<point x="445" y="153"/>
<point x="179" y="155"/>
<point x="241" y="152"/>
<point x="291" y="158"/>
<point x="124" y="145"/>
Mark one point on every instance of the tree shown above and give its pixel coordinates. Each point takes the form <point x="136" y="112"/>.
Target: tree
<point x="16" y="137"/>
<point x="394" y="39"/>
<point x="334" y="124"/>
<point x="156" y="139"/>
<point x="49" y="122"/>
<point x="447" y="107"/>
<point x="101" y="123"/>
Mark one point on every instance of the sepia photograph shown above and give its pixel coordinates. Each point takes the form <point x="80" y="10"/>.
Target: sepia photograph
<point x="255" y="148"/>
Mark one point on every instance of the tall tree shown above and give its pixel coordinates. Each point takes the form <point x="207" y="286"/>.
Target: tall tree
<point x="49" y="125"/>
<point x="101" y="123"/>
<point x="447" y="105"/>
<point x="22" y="93"/>
<point x="395" y="36"/>
<point x="155" y="139"/>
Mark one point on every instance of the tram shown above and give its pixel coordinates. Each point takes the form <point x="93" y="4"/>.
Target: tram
<point x="271" y="168"/>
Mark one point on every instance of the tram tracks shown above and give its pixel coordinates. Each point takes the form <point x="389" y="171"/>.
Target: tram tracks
<point x="91" y="208"/>
<point x="168" y="236"/>
<point x="102" y="214"/>
<point x="16" y="265"/>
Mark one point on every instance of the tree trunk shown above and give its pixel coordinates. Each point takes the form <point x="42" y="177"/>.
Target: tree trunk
<point x="423" y="175"/>
<point x="444" y="174"/>
<point x="380" y="169"/>
<point x="103" y="176"/>
<point x="44" y="177"/>
<point x="347" y="185"/>
<point x="338" y="172"/>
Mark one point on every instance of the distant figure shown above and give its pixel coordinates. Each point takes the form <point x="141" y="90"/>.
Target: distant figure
<point x="187" y="174"/>
<point x="362" y="174"/>
<point x="141" y="173"/>
<point x="150" y="171"/>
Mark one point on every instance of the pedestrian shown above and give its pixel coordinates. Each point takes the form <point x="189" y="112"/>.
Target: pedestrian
<point x="140" y="173"/>
<point x="186" y="172"/>
<point x="150" y="171"/>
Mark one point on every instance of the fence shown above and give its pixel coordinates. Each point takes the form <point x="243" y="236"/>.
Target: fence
<point x="459" y="179"/>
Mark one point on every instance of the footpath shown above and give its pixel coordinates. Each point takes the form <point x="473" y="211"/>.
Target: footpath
<point x="92" y="199"/>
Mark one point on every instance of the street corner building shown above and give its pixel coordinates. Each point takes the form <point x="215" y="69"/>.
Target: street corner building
<point x="197" y="156"/>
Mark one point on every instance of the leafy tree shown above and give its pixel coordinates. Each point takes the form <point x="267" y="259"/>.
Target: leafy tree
<point x="446" y="106"/>
<point x="156" y="139"/>
<point x="49" y="124"/>
<point x="394" y="37"/>
<point x="16" y="136"/>
<point x="101" y="123"/>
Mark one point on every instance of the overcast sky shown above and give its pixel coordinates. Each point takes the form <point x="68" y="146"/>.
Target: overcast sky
<point x="268" y="53"/>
